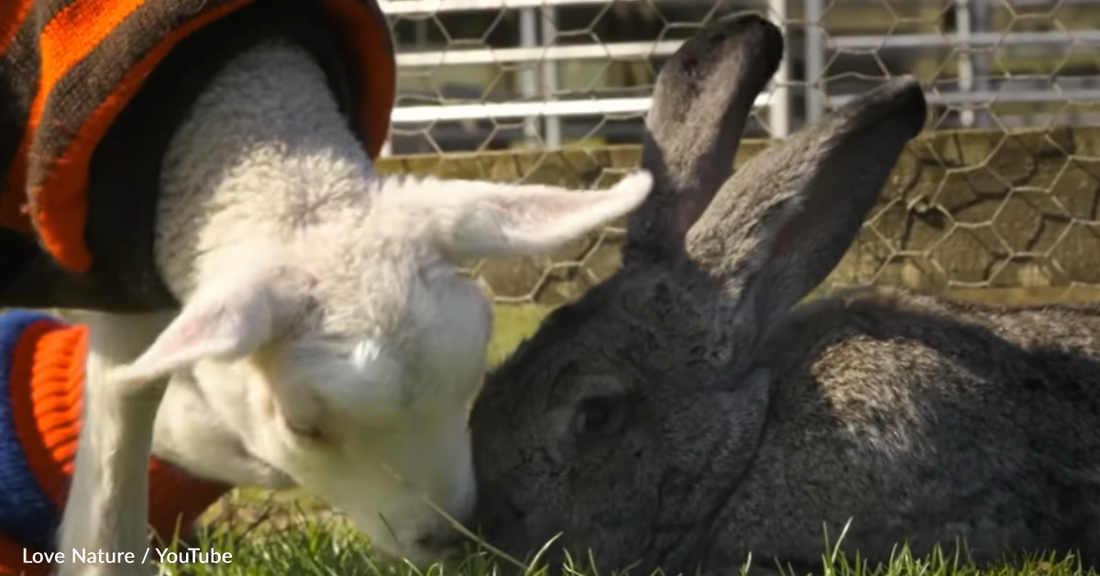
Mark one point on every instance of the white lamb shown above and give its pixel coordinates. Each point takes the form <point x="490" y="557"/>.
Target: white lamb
<point x="326" y="340"/>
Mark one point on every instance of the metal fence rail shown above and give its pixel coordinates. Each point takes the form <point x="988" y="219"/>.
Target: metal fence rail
<point x="994" y="213"/>
<point x="499" y="73"/>
<point x="427" y="7"/>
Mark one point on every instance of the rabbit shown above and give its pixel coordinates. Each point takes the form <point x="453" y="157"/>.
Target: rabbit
<point x="690" y="414"/>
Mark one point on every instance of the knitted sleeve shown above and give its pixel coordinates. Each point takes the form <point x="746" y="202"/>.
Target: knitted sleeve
<point x="41" y="380"/>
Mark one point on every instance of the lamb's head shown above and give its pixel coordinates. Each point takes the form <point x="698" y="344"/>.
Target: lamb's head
<point x="346" y="355"/>
<point x="623" y="424"/>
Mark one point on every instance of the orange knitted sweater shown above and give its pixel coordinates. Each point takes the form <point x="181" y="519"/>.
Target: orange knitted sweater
<point x="45" y="374"/>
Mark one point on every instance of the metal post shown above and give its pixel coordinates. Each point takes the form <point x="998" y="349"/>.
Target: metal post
<point x="966" y="67"/>
<point x="421" y="31"/>
<point x="425" y="144"/>
<point x="814" y="58"/>
<point x="420" y="41"/>
<point x="980" y="61"/>
<point x="779" y="115"/>
<point x="552" y="125"/>
<point x="528" y="20"/>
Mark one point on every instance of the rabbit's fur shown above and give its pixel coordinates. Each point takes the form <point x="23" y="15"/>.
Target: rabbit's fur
<point x="326" y="339"/>
<point x="682" y="415"/>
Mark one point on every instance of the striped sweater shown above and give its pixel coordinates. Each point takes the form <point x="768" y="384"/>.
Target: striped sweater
<point x="41" y="380"/>
<point x="90" y="93"/>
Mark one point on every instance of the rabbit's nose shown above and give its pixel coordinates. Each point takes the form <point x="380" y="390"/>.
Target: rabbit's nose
<point x="496" y="507"/>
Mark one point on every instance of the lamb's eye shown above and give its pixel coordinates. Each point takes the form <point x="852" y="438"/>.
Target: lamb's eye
<point x="303" y="431"/>
<point x="600" y="415"/>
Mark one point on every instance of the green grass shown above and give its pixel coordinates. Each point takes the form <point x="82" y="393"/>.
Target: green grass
<point x="306" y="546"/>
<point x="295" y="535"/>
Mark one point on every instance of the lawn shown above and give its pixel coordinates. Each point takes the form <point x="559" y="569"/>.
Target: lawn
<point x="304" y="546"/>
<point x="294" y="535"/>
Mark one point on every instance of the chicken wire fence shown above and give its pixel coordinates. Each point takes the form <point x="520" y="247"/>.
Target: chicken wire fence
<point x="556" y="91"/>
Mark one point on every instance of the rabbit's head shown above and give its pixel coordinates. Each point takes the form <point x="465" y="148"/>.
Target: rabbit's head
<point x="621" y="426"/>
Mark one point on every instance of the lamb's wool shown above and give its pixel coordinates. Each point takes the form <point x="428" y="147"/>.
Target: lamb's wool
<point x="41" y="379"/>
<point x="90" y="93"/>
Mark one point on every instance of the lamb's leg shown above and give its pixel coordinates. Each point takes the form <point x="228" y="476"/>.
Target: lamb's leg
<point x="107" y="508"/>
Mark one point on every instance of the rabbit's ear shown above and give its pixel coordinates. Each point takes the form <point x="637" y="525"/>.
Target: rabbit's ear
<point x="784" y="220"/>
<point x="701" y="103"/>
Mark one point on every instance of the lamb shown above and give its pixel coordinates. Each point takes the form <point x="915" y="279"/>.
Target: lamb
<point x="686" y="414"/>
<point x="325" y="339"/>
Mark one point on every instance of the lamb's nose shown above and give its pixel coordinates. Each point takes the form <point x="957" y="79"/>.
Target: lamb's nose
<point x="440" y="540"/>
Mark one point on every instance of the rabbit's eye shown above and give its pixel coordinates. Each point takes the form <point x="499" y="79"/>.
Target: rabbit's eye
<point x="600" y="416"/>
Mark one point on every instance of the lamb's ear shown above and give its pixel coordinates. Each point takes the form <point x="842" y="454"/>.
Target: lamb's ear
<point x="701" y="105"/>
<point x="226" y="320"/>
<point x="486" y="219"/>
<point x="778" y="227"/>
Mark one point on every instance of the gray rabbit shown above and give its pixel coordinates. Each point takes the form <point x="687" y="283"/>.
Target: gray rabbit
<point x="685" y="413"/>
